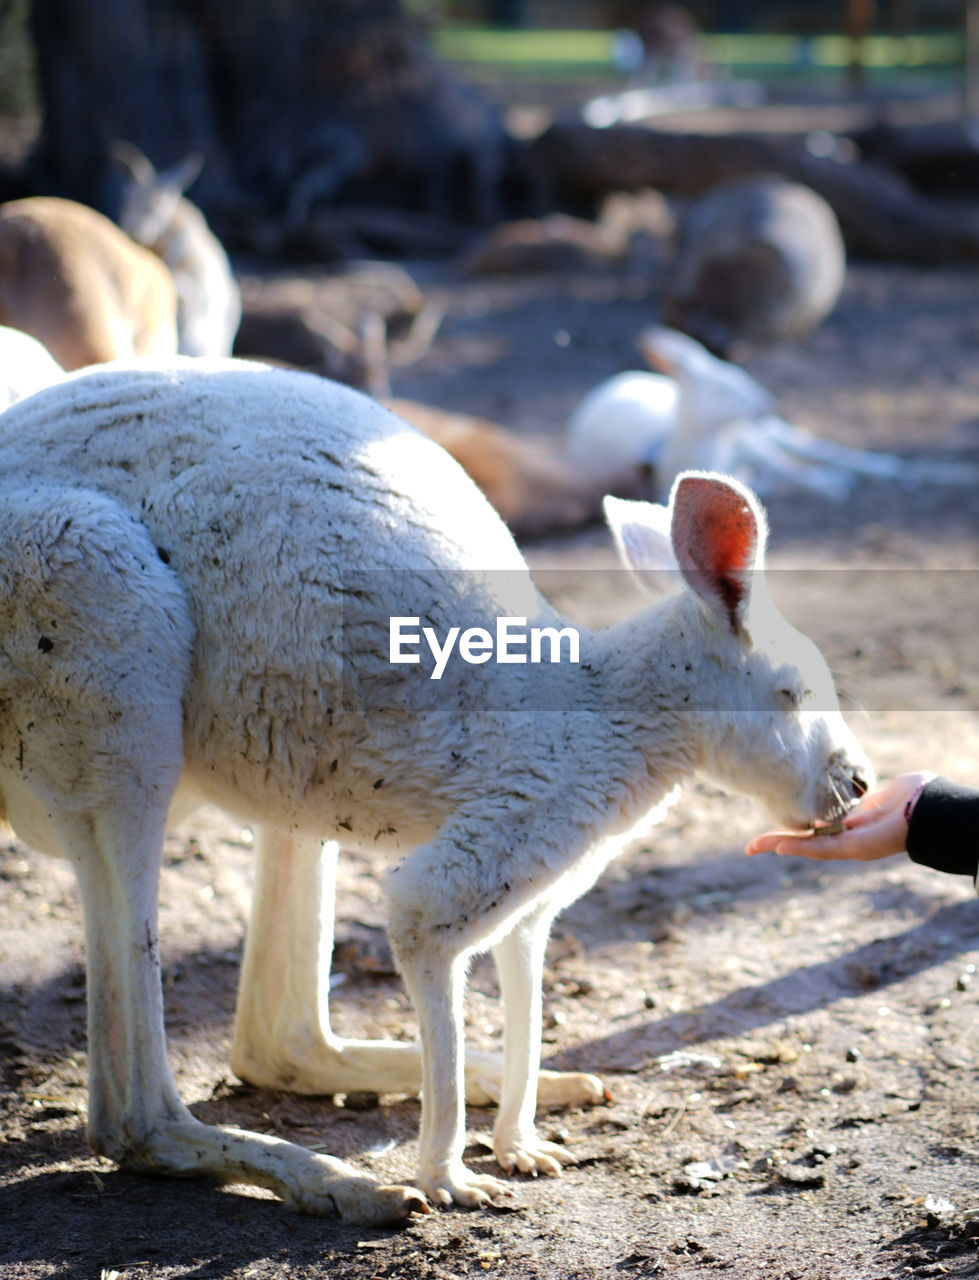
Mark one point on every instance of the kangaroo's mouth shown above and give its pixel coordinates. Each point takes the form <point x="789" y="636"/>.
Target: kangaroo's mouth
<point x="847" y="783"/>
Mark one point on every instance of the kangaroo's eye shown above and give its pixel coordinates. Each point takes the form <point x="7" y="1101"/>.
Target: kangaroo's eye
<point x="791" y="698"/>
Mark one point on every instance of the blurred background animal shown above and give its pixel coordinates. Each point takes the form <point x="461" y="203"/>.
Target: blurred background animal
<point x="624" y="421"/>
<point x="758" y="259"/>
<point x="156" y="213"/>
<point x="703" y="413"/>
<point x="671" y="43"/>
<point x="79" y="285"/>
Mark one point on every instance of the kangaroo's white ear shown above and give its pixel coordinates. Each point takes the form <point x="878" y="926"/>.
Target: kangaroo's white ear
<point x="132" y="160"/>
<point x="642" y="534"/>
<point x="182" y="175"/>
<point x="718" y="530"/>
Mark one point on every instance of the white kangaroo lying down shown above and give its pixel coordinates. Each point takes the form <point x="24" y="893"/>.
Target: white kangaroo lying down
<point x="198" y="565"/>
<point x="25" y="366"/>
<point x="712" y="415"/>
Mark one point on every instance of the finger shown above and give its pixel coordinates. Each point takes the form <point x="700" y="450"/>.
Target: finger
<point x="852" y="843"/>
<point x="766" y="843"/>
<point x="770" y="840"/>
<point x="820" y="848"/>
<point x="858" y="844"/>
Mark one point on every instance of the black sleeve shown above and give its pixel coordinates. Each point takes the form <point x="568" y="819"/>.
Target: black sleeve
<point x="944" y="830"/>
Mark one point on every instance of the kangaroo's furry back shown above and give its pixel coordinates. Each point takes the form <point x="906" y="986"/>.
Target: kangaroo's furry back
<point x="298" y="516"/>
<point x="151" y="432"/>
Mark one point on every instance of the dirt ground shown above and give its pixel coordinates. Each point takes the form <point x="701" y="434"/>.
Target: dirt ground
<point x="791" y="1048"/>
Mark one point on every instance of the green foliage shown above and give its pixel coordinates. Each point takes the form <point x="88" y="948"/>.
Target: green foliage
<point x="543" y="50"/>
<point x="18" y="82"/>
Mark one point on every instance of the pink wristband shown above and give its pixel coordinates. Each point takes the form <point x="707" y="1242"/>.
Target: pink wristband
<point x="913" y="800"/>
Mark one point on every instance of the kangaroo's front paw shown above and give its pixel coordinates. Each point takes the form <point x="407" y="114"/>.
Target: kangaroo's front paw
<point x="529" y="1154"/>
<point x="455" y="1184"/>
<point x="556" y="1089"/>
<point x="360" y="1200"/>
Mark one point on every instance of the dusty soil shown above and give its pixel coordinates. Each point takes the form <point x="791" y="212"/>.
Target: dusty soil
<point x="791" y="1047"/>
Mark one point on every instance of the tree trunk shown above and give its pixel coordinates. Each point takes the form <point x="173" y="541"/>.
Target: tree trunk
<point x="940" y="157"/>
<point x="879" y="212"/>
<point x="294" y="103"/>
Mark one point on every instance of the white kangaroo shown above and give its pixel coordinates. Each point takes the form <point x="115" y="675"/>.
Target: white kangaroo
<point x="156" y="214"/>
<point x="199" y="564"/>
<point x="25" y="366"/>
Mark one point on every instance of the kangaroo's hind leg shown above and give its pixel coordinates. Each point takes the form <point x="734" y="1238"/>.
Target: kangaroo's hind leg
<point x="283" y="1038"/>
<point x="135" y="1114"/>
<point x="94" y="668"/>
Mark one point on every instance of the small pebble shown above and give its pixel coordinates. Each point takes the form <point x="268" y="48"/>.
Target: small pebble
<point x="358" y="1101"/>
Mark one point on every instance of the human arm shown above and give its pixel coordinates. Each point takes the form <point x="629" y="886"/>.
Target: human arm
<point x="944" y="828"/>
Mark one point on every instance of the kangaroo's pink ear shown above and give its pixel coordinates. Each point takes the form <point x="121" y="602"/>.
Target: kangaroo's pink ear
<point x="718" y="531"/>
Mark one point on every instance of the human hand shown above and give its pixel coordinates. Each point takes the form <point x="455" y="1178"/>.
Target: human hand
<point x="876" y="828"/>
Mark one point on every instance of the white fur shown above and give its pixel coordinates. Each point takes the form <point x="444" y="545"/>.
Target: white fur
<point x="705" y="414"/>
<point x="25" y="366"/>
<point x="156" y="214"/>
<point x="623" y="422"/>
<point x="197" y="565"/>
